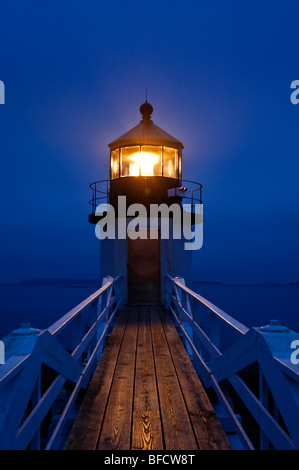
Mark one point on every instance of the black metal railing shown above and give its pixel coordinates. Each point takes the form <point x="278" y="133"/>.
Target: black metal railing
<point x="101" y="192"/>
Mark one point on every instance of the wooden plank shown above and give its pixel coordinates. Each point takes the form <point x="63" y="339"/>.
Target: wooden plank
<point x="146" y="430"/>
<point x="86" y="428"/>
<point x="206" y="425"/>
<point x="116" y="429"/>
<point x="177" y="429"/>
<point x="145" y="393"/>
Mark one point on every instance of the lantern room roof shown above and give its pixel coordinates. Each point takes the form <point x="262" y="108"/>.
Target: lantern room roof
<point x="146" y="133"/>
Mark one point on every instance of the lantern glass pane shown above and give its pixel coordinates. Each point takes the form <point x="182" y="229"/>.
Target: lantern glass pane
<point x="114" y="160"/>
<point x="180" y="165"/>
<point x="130" y="161"/>
<point x="170" y="167"/>
<point x="151" y="160"/>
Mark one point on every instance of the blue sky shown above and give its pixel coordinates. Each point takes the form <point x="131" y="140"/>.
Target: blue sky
<point x="218" y="75"/>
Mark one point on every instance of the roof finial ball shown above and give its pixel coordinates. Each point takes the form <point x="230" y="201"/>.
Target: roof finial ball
<point x="146" y="110"/>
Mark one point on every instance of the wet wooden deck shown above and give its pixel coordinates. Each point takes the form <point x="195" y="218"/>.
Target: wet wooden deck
<point x="145" y="393"/>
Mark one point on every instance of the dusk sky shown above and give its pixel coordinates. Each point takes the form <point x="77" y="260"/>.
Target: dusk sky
<point x="218" y="76"/>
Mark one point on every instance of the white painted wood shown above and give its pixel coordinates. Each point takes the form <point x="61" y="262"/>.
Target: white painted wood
<point x="20" y="377"/>
<point x="268" y="347"/>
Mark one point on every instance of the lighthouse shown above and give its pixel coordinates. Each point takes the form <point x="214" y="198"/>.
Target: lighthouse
<point x="145" y="181"/>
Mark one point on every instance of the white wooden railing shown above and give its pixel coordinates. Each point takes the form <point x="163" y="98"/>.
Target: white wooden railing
<point x="61" y="363"/>
<point x="274" y="404"/>
<point x="64" y="357"/>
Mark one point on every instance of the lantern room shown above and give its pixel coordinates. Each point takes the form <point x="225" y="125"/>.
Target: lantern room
<point x="145" y="162"/>
<point x="146" y="150"/>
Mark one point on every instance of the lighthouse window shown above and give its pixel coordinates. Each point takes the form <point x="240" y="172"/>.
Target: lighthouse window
<point x="145" y="160"/>
<point x="180" y="165"/>
<point x="170" y="167"/>
<point x="130" y="161"/>
<point x="114" y="164"/>
<point x="151" y="160"/>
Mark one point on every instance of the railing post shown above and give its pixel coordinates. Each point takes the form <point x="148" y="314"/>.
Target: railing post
<point x="103" y="303"/>
<point x="184" y="300"/>
<point x="93" y="318"/>
<point x="196" y="313"/>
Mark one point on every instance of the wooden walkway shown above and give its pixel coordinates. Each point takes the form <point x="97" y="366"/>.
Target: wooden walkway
<point x="145" y="393"/>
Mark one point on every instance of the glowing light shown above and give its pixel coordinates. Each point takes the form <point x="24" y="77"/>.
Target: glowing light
<point x="134" y="164"/>
<point x="148" y="162"/>
<point x="115" y="163"/>
<point x="114" y="166"/>
<point x="144" y="161"/>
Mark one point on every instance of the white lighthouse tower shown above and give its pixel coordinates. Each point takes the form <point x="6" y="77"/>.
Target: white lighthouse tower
<point x="146" y="169"/>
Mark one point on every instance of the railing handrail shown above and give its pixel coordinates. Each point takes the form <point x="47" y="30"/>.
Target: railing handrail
<point x="229" y="320"/>
<point x="93" y="185"/>
<point x="104" y="193"/>
<point x="64" y="321"/>
<point x="233" y="323"/>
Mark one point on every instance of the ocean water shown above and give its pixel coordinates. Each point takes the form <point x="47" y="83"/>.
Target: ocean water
<point x="255" y="304"/>
<point x="42" y="303"/>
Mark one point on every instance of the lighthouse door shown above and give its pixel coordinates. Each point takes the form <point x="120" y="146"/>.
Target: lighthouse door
<point x="143" y="270"/>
